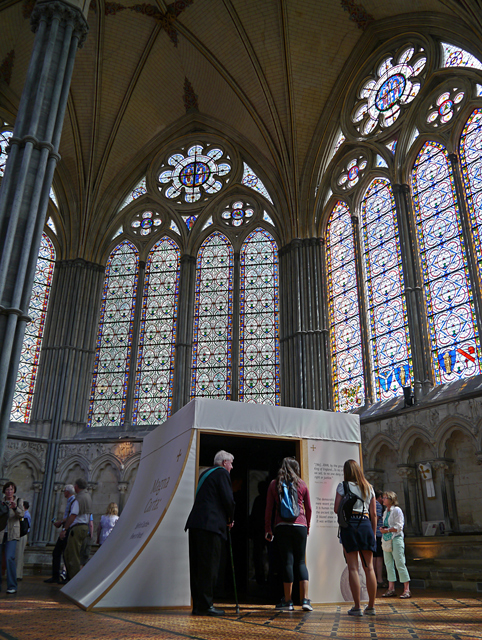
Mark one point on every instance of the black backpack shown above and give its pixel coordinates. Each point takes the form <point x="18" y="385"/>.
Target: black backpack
<point x="3" y="515"/>
<point x="345" y="508"/>
<point x="289" y="508"/>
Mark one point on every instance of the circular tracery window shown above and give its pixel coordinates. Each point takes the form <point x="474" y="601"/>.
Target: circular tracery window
<point x="352" y="172"/>
<point x="237" y="214"/>
<point x="445" y="106"/>
<point x="199" y="170"/>
<point x="394" y="84"/>
<point x="145" y="223"/>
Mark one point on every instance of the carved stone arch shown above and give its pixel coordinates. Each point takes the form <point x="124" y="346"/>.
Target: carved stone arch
<point x="99" y="464"/>
<point x="374" y="446"/>
<point x="69" y="462"/>
<point x="447" y="428"/>
<point x="33" y="463"/>
<point x="409" y="438"/>
<point x="130" y="465"/>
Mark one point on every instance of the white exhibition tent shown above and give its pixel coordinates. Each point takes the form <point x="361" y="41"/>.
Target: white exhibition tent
<point x="144" y="562"/>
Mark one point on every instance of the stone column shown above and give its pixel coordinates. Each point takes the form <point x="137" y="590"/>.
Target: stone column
<point x="440" y="467"/>
<point x="122" y="487"/>
<point x="58" y="490"/>
<point x="66" y="365"/>
<point x="416" y="308"/>
<point x="182" y="371"/>
<point x="304" y="379"/>
<point x="416" y="510"/>
<point x="37" y="489"/>
<point x="407" y="474"/>
<point x="452" y="500"/>
<point x="60" y="29"/>
<point x="362" y="305"/>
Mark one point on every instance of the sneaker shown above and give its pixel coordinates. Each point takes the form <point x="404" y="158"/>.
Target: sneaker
<point x="11" y="591"/>
<point x="285" y="606"/>
<point x="369" y="611"/>
<point x="306" y="605"/>
<point x="355" y="612"/>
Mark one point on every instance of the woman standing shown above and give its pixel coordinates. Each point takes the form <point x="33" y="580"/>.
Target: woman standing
<point x="291" y="535"/>
<point x="107" y="522"/>
<point x="393" y="545"/>
<point x="11" y="533"/>
<point x="358" y="538"/>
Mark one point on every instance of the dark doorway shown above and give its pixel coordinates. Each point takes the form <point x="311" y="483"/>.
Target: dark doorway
<point x="256" y="463"/>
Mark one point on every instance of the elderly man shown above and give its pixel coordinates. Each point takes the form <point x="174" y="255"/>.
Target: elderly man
<point x="69" y="494"/>
<point x="208" y="521"/>
<point x="76" y="527"/>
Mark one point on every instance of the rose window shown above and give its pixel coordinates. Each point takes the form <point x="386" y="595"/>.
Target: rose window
<point x="394" y="86"/>
<point x="145" y="223"/>
<point x="446" y="105"/>
<point x="237" y="214"/>
<point x="353" y="172"/>
<point x="196" y="172"/>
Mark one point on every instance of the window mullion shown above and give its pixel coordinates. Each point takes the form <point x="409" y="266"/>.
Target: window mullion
<point x="235" y="320"/>
<point x="131" y="382"/>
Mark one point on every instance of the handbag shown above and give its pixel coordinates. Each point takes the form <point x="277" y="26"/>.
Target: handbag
<point x="23" y="527"/>
<point x="3" y="515"/>
<point x="387" y="545"/>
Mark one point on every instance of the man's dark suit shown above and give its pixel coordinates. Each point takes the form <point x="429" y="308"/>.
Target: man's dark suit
<point x="207" y="523"/>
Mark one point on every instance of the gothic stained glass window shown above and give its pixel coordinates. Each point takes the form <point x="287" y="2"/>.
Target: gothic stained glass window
<point x="114" y="341"/>
<point x="344" y="312"/>
<point x="32" y="342"/>
<point x="213" y="319"/>
<point x="453" y="330"/>
<point x="471" y="165"/>
<point x="259" y="342"/>
<point x="392" y="366"/>
<point x="155" y="364"/>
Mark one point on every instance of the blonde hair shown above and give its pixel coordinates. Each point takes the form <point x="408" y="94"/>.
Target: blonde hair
<point x="392" y="496"/>
<point x="352" y="473"/>
<point x="112" y="509"/>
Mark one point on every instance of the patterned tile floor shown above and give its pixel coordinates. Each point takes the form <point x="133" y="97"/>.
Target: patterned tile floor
<point x="40" y="611"/>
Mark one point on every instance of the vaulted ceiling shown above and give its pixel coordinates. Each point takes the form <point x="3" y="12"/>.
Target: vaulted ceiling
<point x="263" y="74"/>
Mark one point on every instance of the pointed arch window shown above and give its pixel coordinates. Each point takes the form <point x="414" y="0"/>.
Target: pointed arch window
<point x="386" y="306"/>
<point x="448" y="290"/>
<point x="114" y="342"/>
<point x="32" y="342"/>
<point x="259" y="342"/>
<point x="155" y="362"/>
<point x="213" y="319"/>
<point x="344" y="312"/>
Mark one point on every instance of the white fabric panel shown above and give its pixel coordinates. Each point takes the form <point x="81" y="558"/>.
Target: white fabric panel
<point x="159" y="471"/>
<point x="268" y="420"/>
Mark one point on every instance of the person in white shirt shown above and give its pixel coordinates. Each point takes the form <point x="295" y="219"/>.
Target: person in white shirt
<point x="393" y="545"/>
<point x="107" y="522"/>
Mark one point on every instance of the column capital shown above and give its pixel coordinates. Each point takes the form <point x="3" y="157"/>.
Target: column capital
<point x="71" y="11"/>
<point x="58" y="486"/>
<point x="373" y="475"/>
<point x="122" y="487"/>
<point x="92" y="486"/>
<point x="441" y="464"/>
<point x="37" y="486"/>
<point x="406" y="472"/>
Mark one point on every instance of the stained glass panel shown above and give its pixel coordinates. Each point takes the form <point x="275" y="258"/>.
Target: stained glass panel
<point x="213" y="319"/>
<point x="259" y="341"/>
<point x="32" y="342"/>
<point x="139" y="190"/>
<point x="114" y="342"/>
<point x="251" y="180"/>
<point x="389" y="338"/>
<point x="453" y="330"/>
<point x="4" y="142"/>
<point x="155" y="364"/>
<point x="344" y="312"/>
<point x="456" y="57"/>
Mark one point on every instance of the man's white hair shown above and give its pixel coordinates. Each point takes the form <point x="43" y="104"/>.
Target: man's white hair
<point x="69" y="488"/>
<point x="221" y="456"/>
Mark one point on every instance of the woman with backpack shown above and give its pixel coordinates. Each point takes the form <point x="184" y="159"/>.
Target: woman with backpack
<point x="358" y="538"/>
<point x="289" y="498"/>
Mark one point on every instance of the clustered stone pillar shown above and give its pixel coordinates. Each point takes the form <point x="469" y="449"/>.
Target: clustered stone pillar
<point x="303" y="333"/>
<point x="182" y="380"/>
<point x="65" y="373"/>
<point x="60" y="29"/>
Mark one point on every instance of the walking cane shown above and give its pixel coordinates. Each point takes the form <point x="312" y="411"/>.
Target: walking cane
<point x="234" y="577"/>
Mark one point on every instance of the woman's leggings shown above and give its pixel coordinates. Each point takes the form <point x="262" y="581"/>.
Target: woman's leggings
<point x="291" y="540"/>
